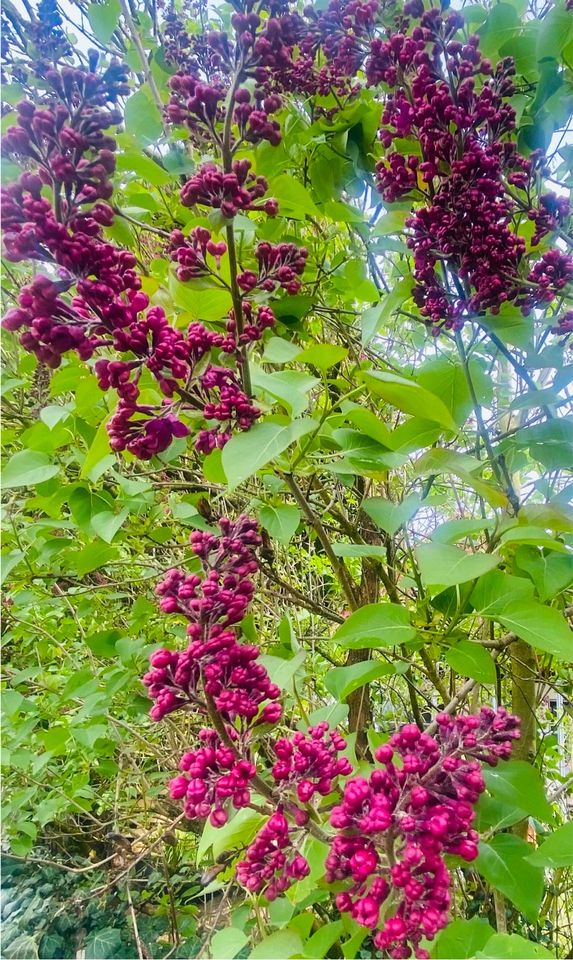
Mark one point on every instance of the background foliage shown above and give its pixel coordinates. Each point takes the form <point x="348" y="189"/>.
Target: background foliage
<point x="388" y="465"/>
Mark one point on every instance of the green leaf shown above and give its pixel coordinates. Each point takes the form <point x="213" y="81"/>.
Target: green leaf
<point x="202" y="303"/>
<point x="446" y="378"/>
<point x="442" y="565"/>
<point x="471" y="660"/>
<point x="104" y="19"/>
<point x="278" y="946"/>
<point x="248" y="452"/>
<point x="142" y="118"/>
<point x="553" y="33"/>
<point x="238" y="831"/>
<point x="294" y="200"/>
<point x="453" y="530"/>
<point x="375" y="625"/>
<point x="496" y="591"/>
<point x="92" y="557"/>
<point x="391" y="516"/>
<point x="556" y="849"/>
<point x="292" y="387"/>
<point x="102" y="643"/>
<point x="461" y="939"/>
<point x="409" y="397"/>
<point x="510" y="946"/>
<point x="278" y="350"/>
<point x="543" y="627"/>
<point x="342" y="681"/>
<point x="535" y="536"/>
<point x="550" y="573"/>
<point x="322" y="355"/>
<point x="227" y="943"/>
<point x="28" y="468"/>
<point x="372" y="319"/>
<point x="103" y="944"/>
<point x="518" y="784"/>
<point x="282" y="671"/>
<point x="23" y="947"/>
<point x="320" y="943"/>
<point x="106" y="524"/>
<point x="281" y="522"/>
<point x="502" y="862"/>
<point x="134" y="162"/>
<point x="98" y="450"/>
<point x="359" y="550"/>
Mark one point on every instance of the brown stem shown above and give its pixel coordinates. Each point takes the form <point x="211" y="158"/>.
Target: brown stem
<point x="336" y="563"/>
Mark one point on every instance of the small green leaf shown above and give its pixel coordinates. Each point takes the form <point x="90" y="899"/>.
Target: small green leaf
<point x="92" y="557"/>
<point x="102" y="643"/>
<point x="294" y="200"/>
<point x="502" y="862"/>
<point x="409" y="397"/>
<point x="442" y="565"/>
<point x="281" y="522"/>
<point x="342" y="681"/>
<point x="461" y="939"/>
<point x="320" y="942"/>
<point x="282" y="671"/>
<point x="238" y="831"/>
<point x="278" y="946"/>
<point x="104" y="18"/>
<point x="375" y="625"/>
<point x="496" y="591"/>
<point x="391" y="516"/>
<point x="471" y="660"/>
<point x="28" y="468"/>
<point x="322" y="355"/>
<point x="510" y="946"/>
<point x="556" y="849"/>
<point x="227" y="943"/>
<point x="134" y="162"/>
<point x="359" y="550"/>
<point x="142" y="118"/>
<point x="103" y="944"/>
<point x="372" y="319"/>
<point x="247" y="452"/>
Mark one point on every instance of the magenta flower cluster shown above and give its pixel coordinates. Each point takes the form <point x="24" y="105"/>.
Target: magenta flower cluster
<point x="470" y="184"/>
<point x="310" y="762"/>
<point x="280" y="264"/>
<point x="91" y="301"/>
<point x="394" y="827"/>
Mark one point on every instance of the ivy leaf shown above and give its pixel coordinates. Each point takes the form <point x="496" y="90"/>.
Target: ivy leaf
<point x="375" y="625"/>
<point x="502" y="862"/>
<point x="409" y="397"/>
<point x="518" y="784"/>
<point x="248" y="452"/>
<point x="556" y="849"/>
<point x="103" y="944"/>
<point x="443" y="565"/>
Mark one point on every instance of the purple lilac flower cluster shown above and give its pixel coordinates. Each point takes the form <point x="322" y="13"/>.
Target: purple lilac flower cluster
<point x="216" y="672"/>
<point x="470" y="181"/>
<point x="95" y="301"/>
<point x="395" y="826"/>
